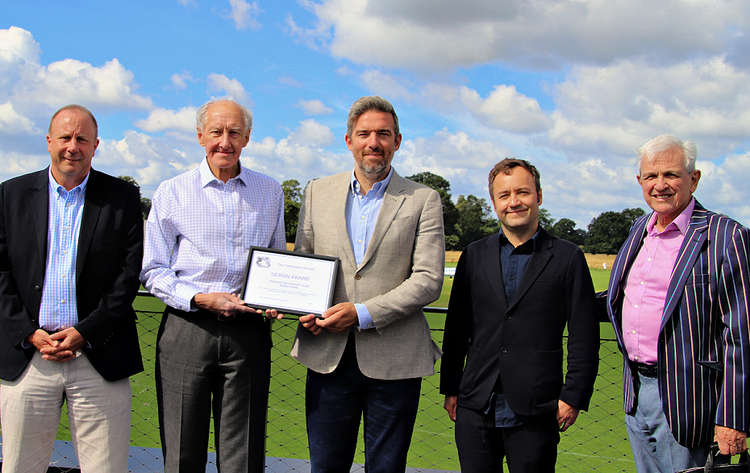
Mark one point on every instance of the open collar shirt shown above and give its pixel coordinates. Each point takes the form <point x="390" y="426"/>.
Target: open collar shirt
<point x="362" y="212"/>
<point x="59" y="306"/>
<point x="646" y="286"/>
<point x="200" y="230"/>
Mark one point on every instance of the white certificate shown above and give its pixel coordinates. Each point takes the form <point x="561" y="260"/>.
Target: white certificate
<point x="292" y="283"/>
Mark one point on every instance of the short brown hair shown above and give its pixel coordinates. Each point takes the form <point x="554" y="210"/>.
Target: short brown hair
<point x="505" y="167"/>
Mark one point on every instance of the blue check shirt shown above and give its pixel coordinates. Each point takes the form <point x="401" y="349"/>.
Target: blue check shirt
<point x="59" y="306"/>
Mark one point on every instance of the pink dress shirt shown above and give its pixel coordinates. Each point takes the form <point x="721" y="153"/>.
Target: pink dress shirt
<point x="647" y="284"/>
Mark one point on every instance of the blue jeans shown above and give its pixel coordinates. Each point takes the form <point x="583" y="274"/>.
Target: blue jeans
<point x="335" y="403"/>
<point x="654" y="447"/>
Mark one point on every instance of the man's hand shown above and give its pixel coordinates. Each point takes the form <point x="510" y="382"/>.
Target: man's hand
<point x="69" y="341"/>
<point x="223" y="304"/>
<point x="566" y="415"/>
<point x="310" y="322"/>
<point x="339" y="318"/>
<point x="450" y="405"/>
<point x="731" y="442"/>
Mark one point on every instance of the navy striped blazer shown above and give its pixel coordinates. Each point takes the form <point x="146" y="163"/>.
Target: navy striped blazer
<point x="704" y="347"/>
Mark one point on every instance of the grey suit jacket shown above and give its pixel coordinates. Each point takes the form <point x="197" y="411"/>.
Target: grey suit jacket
<point x="401" y="272"/>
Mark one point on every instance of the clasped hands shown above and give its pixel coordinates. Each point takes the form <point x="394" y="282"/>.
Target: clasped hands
<point x="59" y="346"/>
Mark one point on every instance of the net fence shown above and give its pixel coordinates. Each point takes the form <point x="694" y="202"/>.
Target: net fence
<point x="597" y="442"/>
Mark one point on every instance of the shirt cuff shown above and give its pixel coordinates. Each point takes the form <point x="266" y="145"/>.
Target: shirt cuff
<point x="365" y="319"/>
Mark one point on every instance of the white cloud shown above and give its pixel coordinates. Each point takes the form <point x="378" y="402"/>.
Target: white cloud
<point x="14" y="122"/>
<point x="312" y="133"/>
<point x="614" y="109"/>
<point x="162" y="119"/>
<point x="506" y="109"/>
<point x="444" y="34"/>
<point x="314" y="107"/>
<point x="231" y="87"/>
<point x="386" y="85"/>
<point x="180" y="81"/>
<point x="244" y="14"/>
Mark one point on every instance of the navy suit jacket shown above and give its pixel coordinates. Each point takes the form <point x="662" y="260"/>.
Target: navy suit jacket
<point x="704" y="348"/>
<point x="110" y="250"/>
<point x="520" y="341"/>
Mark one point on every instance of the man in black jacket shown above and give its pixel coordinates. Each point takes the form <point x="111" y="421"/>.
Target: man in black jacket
<point x="71" y="243"/>
<point x="513" y="294"/>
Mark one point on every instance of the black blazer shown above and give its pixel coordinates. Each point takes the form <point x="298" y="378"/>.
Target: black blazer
<point x="110" y="249"/>
<point x="520" y="341"/>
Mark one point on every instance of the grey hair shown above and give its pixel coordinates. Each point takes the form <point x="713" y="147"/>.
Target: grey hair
<point x="664" y="142"/>
<point x="365" y="104"/>
<point x="200" y="115"/>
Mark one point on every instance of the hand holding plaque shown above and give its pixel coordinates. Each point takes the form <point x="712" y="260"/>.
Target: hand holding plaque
<point x="292" y="283"/>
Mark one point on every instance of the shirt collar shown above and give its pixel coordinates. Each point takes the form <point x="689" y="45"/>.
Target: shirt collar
<point x="681" y="222"/>
<point x="55" y="187"/>
<point x="207" y="176"/>
<point x="378" y="188"/>
<point x="533" y="241"/>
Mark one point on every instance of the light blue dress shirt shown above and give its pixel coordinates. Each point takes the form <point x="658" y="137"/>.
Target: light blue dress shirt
<point x="59" y="306"/>
<point x="361" y="215"/>
<point x="200" y="230"/>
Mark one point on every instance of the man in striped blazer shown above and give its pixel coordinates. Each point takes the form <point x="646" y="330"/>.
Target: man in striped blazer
<point x="678" y="299"/>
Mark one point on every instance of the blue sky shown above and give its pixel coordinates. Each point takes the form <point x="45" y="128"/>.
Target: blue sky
<point x="575" y="86"/>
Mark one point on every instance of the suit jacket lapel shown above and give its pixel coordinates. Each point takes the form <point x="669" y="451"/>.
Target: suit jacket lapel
<point x="625" y="259"/>
<point x="538" y="261"/>
<point x="689" y="251"/>
<point x="338" y="199"/>
<point x="39" y="206"/>
<point x="392" y="201"/>
<point x="92" y="207"/>
<point x="493" y="271"/>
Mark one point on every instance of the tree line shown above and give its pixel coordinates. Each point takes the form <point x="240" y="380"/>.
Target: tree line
<point x="472" y="217"/>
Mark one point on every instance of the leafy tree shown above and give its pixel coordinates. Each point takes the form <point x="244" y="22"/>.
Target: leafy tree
<point x="545" y="219"/>
<point x="145" y="201"/>
<point x="608" y="231"/>
<point x="565" y="228"/>
<point x="292" y="204"/>
<point x="450" y="213"/>
<point x="475" y="219"/>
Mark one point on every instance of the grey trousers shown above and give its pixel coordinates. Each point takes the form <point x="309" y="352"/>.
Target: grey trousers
<point x="204" y="365"/>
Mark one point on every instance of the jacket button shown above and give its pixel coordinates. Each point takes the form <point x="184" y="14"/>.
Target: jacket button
<point x="357" y="277"/>
<point x="37" y="287"/>
<point x="504" y="349"/>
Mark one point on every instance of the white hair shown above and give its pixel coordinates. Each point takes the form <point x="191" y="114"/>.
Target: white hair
<point x="200" y="115"/>
<point x="664" y="142"/>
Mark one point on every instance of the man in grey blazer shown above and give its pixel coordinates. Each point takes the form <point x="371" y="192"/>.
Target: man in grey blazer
<point x="369" y="351"/>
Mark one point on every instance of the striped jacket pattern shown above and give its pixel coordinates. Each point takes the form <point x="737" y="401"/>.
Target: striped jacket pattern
<point x="703" y="348"/>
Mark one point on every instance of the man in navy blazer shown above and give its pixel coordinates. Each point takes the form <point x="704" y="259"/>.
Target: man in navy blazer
<point x="71" y="243"/>
<point x="502" y="368"/>
<point x="678" y="298"/>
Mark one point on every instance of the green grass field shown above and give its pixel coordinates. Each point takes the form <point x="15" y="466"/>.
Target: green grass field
<point x="597" y="442"/>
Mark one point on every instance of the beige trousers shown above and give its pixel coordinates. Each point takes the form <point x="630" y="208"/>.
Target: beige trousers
<point x="98" y="413"/>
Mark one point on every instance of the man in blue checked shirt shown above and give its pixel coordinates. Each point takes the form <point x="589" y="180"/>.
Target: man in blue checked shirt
<point x="213" y="352"/>
<point x="71" y="242"/>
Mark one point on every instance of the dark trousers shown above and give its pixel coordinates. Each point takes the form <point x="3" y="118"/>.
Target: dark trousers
<point x="530" y="448"/>
<point x="335" y="403"/>
<point x="203" y="364"/>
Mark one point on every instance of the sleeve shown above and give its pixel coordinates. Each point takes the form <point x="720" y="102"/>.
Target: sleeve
<point x="116" y="301"/>
<point x="734" y="302"/>
<point x="278" y="240"/>
<point x="14" y="318"/>
<point x="458" y="328"/>
<point x="583" y="334"/>
<point x="426" y="279"/>
<point x="304" y="241"/>
<point x="160" y="243"/>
